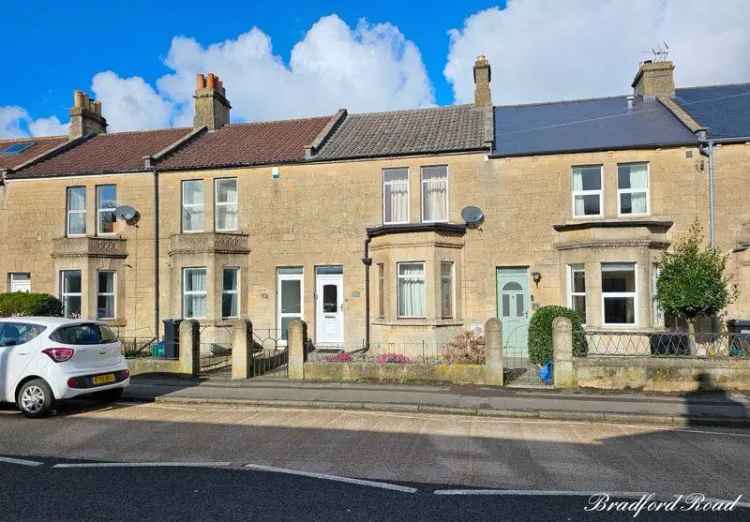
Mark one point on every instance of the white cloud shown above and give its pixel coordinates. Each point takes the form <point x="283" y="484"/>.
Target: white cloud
<point x="549" y="50"/>
<point x="130" y="103"/>
<point x="370" y="67"/>
<point x="15" y="122"/>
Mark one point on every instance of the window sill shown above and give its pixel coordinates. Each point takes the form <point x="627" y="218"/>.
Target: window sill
<point x="417" y="322"/>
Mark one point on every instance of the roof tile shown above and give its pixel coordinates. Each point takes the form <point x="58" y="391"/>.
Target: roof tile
<point x="40" y="146"/>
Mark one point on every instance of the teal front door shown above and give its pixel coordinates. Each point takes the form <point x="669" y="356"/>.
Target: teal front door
<point x="513" y="309"/>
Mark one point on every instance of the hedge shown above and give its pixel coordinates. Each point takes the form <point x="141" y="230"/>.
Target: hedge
<point x="22" y="303"/>
<point x="540" y="332"/>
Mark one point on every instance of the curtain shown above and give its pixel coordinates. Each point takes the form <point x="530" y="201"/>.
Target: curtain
<point x="396" y="201"/>
<point x="196" y="285"/>
<point x="639" y="180"/>
<point x="76" y="199"/>
<point x="435" y="199"/>
<point x="411" y="291"/>
<point x="577" y="187"/>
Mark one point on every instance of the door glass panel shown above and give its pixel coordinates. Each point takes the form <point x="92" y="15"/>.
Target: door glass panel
<point x="512" y="286"/>
<point x="290" y="297"/>
<point x="519" y="305"/>
<point x="330" y="299"/>
<point x="506" y="305"/>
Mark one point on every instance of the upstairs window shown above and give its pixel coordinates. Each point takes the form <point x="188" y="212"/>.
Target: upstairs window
<point x="632" y="188"/>
<point x="106" y="203"/>
<point x="75" y="222"/>
<point x="395" y="196"/>
<point x="587" y="191"/>
<point x="434" y="194"/>
<point x="225" y="204"/>
<point x="192" y="205"/>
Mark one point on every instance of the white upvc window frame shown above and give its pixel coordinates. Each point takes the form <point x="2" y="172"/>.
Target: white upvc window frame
<point x="281" y="275"/>
<point x="186" y="294"/>
<point x="226" y="204"/>
<point x="647" y="190"/>
<point x="575" y="193"/>
<point x="633" y="295"/>
<point x="398" y="289"/>
<point x="64" y="294"/>
<point x="112" y="294"/>
<point x="451" y="277"/>
<point x="235" y="293"/>
<point x="183" y="205"/>
<point x="422" y="183"/>
<point x="12" y="277"/>
<point x="101" y="210"/>
<point x="68" y="211"/>
<point x="572" y="269"/>
<point x="408" y="194"/>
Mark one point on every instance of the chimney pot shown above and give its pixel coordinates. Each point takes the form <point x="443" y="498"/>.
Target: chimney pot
<point x="211" y="106"/>
<point x="200" y="81"/>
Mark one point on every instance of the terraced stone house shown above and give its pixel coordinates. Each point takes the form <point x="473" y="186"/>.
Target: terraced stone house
<point x="354" y="222"/>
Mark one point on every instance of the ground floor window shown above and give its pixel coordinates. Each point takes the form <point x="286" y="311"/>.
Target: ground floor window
<point x="70" y="293"/>
<point x="619" y="292"/>
<point x="446" y="289"/>
<point x="381" y="290"/>
<point x="289" y="298"/>
<point x="105" y="295"/>
<point x="577" y="290"/>
<point x="19" y="282"/>
<point x="194" y="293"/>
<point x="230" y="293"/>
<point x="411" y="290"/>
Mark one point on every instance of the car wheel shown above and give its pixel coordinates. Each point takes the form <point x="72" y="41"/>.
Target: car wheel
<point x="114" y="394"/>
<point x="35" y="399"/>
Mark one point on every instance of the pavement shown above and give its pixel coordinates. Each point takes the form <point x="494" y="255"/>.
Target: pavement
<point x="234" y="461"/>
<point x="691" y="409"/>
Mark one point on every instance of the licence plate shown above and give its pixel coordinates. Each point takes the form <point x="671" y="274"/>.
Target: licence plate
<point x="104" y="379"/>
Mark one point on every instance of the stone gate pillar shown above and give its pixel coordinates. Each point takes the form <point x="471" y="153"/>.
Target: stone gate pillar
<point x="493" y="343"/>
<point x="562" y="353"/>
<point x="242" y="349"/>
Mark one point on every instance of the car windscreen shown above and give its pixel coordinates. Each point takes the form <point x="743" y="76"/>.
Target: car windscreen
<point x="14" y="334"/>
<point x="83" y="334"/>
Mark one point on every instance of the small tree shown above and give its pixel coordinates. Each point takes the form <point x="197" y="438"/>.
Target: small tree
<point x="692" y="281"/>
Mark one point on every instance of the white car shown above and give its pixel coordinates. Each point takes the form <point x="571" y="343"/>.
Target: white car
<point x="44" y="359"/>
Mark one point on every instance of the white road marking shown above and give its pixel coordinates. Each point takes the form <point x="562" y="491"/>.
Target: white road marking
<point x="20" y="462"/>
<point x="335" y="478"/>
<point x="144" y="465"/>
<point x="538" y="492"/>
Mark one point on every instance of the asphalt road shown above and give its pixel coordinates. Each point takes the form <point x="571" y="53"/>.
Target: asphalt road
<point x="414" y="455"/>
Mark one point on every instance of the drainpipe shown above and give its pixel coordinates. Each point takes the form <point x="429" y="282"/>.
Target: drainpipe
<point x="367" y="261"/>
<point x="156" y="253"/>
<point x="706" y="148"/>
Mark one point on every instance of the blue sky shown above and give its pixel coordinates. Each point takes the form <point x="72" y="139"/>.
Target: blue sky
<point x="287" y="59"/>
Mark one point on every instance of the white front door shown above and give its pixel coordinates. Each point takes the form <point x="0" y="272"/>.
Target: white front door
<point x="290" y="301"/>
<point x="329" y="305"/>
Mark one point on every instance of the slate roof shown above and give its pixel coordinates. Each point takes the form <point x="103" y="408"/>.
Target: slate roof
<point x="376" y="134"/>
<point x="247" y="144"/>
<point x="40" y="145"/>
<point x="582" y="125"/>
<point x="724" y="109"/>
<point x="104" y="154"/>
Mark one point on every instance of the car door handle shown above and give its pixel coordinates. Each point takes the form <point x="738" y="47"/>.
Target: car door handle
<point x="23" y="353"/>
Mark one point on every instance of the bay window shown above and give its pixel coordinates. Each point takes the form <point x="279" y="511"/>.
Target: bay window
<point x="225" y="204"/>
<point x="194" y="293"/>
<point x="632" y="188"/>
<point x="411" y="290"/>
<point x="106" y="203"/>
<point x="577" y="290"/>
<point x="395" y="196"/>
<point x="105" y="295"/>
<point x="230" y="293"/>
<point x="434" y="194"/>
<point x="619" y="291"/>
<point x="446" y="289"/>
<point x="70" y="293"/>
<point x="587" y="191"/>
<point x="75" y="222"/>
<point x="192" y="205"/>
<point x="381" y="290"/>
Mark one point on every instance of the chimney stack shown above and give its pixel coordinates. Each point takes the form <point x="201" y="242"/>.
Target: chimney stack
<point x="654" y="79"/>
<point x="211" y="105"/>
<point x="482" y="79"/>
<point x="85" y="116"/>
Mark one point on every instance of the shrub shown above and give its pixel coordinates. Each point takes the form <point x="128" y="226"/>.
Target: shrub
<point x="398" y="358"/>
<point x="466" y="348"/>
<point x="540" y="332"/>
<point x="341" y="357"/>
<point x="22" y="303"/>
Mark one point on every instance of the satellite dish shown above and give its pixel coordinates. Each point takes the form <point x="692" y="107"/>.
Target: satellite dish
<point x="128" y="214"/>
<point x="473" y="216"/>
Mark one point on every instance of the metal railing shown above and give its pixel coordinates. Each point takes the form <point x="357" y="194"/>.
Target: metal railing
<point x="661" y="344"/>
<point x="269" y="352"/>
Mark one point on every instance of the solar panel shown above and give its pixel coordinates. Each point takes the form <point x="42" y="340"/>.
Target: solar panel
<point x="17" y="148"/>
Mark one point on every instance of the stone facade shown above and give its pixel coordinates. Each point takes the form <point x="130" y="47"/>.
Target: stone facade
<point x="317" y="214"/>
